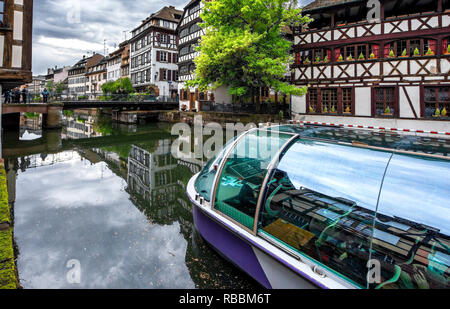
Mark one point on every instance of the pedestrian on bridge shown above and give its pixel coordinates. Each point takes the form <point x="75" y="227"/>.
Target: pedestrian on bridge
<point x="25" y="95"/>
<point x="8" y="96"/>
<point x="16" y="95"/>
<point x="45" y="95"/>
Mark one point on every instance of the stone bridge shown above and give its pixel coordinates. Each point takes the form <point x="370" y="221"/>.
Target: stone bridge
<point x="51" y="114"/>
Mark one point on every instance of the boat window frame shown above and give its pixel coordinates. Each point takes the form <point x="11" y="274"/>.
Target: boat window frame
<point x="226" y="156"/>
<point x="319" y="268"/>
<point x="271" y="168"/>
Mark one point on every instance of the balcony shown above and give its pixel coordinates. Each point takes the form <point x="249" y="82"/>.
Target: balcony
<point x="399" y="26"/>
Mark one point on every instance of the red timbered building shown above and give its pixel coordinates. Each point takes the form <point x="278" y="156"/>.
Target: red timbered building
<point x="16" y="21"/>
<point x="386" y="70"/>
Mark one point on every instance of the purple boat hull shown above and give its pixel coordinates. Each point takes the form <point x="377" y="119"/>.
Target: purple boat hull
<point x="232" y="247"/>
<point x="266" y="270"/>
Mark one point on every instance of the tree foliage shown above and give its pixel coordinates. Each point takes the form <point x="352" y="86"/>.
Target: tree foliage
<point x="244" y="47"/>
<point x="60" y="87"/>
<point x="50" y="86"/>
<point x="120" y="86"/>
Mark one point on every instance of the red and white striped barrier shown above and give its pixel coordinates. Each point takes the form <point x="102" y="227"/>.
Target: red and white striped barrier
<point x="368" y="127"/>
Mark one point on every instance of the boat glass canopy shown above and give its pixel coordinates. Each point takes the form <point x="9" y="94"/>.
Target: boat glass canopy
<point x="367" y="207"/>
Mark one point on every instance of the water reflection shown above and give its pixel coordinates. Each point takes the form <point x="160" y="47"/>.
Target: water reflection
<point x="117" y="204"/>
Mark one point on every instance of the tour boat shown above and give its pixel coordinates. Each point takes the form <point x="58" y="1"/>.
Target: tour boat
<point x="320" y="207"/>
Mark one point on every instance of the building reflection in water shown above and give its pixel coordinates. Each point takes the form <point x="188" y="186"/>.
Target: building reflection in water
<point x="157" y="184"/>
<point x="154" y="181"/>
<point x="80" y="126"/>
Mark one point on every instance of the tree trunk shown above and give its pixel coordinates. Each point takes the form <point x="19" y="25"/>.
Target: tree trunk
<point x="258" y="100"/>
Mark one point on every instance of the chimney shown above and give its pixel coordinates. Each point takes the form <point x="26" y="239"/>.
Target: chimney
<point x="171" y="7"/>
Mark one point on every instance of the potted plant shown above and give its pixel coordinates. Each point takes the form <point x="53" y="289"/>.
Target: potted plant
<point x="340" y="58"/>
<point x="448" y="50"/>
<point x="325" y="110"/>
<point x="444" y="112"/>
<point x="391" y="54"/>
<point x="404" y="54"/>
<point x="306" y="61"/>
<point x="347" y="110"/>
<point x="311" y="110"/>
<point x="361" y="57"/>
<point x="416" y="52"/>
<point x="317" y="59"/>
<point x="333" y="110"/>
<point x="429" y="52"/>
<point x="325" y="60"/>
<point x="350" y="58"/>
<point x="387" y="111"/>
<point x="372" y="56"/>
<point x="437" y="113"/>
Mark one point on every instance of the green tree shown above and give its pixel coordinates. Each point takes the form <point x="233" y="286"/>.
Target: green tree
<point x="50" y="86"/>
<point x="60" y="87"/>
<point x="120" y="86"/>
<point x="244" y="48"/>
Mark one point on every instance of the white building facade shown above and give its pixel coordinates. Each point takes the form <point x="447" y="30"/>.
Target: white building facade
<point x="77" y="79"/>
<point x="154" y="53"/>
<point x="114" y="67"/>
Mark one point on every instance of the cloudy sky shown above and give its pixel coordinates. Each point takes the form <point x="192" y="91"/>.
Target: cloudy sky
<point x="65" y="30"/>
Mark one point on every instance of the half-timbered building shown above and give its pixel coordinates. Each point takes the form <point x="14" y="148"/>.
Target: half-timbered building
<point x="78" y="82"/>
<point x="16" y="21"/>
<point x="96" y="75"/>
<point x="390" y="70"/>
<point x="190" y="33"/>
<point x="154" y="53"/>
<point x="125" y="66"/>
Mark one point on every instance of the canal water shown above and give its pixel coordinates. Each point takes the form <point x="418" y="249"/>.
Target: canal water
<point x="102" y="205"/>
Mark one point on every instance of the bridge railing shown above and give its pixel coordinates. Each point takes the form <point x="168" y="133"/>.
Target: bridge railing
<point x="137" y="98"/>
<point x="264" y="108"/>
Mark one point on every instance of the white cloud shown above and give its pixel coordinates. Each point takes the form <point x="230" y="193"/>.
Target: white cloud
<point x="58" y="41"/>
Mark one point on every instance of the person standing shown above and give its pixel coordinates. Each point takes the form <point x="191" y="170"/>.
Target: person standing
<point x="16" y="95"/>
<point x="25" y="95"/>
<point x="8" y="96"/>
<point x="45" y="95"/>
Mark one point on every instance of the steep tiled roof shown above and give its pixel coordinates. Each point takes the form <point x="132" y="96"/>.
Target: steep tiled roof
<point x="167" y="13"/>
<point x="94" y="60"/>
